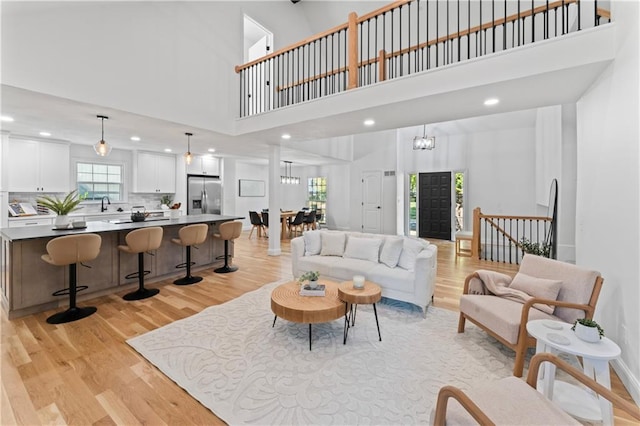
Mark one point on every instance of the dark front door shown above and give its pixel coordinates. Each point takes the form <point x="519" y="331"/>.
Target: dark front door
<point x="434" y="205"/>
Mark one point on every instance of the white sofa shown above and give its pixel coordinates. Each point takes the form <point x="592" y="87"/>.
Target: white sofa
<point x="404" y="267"/>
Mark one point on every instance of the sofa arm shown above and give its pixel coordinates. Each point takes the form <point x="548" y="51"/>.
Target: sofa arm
<point x="425" y="275"/>
<point x="297" y="251"/>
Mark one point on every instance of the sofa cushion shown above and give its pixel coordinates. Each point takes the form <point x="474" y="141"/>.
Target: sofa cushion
<point x="312" y="243"/>
<point x="363" y="248"/>
<point x="500" y="315"/>
<point x="391" y="278"/>
<point x="345" y="268"/>
<point x="537" y="287"/>
<point x="410" y="249"/>
<point x="391" y="251"/>
<point x="322" y="264"/>
<point x="332" y="244"/>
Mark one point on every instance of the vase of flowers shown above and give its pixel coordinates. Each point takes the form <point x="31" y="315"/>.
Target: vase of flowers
<point x="311" y="277"/>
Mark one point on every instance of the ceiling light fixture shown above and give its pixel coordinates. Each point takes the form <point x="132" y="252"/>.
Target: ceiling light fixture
<point x="287" y="178"/>
<point x="187" y="155"/>
<point x="286" y="136"/>
<point x="369" y="122"/>
<point x="45" y="134"/>
<point x="211" y="150"/>
<point x="102" y="148"/>
<point x="135" y="138"/>
<point x="167" y="150"/>
<point x="491" y="101"/>
<point x="6" y="118"/>
<point x="424" y="141"/>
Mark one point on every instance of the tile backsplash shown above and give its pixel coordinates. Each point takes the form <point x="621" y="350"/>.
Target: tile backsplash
<point x="149" y="201"/>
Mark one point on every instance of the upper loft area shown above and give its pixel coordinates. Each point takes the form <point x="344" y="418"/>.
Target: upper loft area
<point x="417" y="59"/>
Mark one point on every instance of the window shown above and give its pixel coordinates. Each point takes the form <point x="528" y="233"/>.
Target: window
<point x="317" y="197"/>
<point x="96" y="181"/>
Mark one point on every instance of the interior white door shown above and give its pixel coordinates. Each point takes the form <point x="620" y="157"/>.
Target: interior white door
<point x="372" y="202"/>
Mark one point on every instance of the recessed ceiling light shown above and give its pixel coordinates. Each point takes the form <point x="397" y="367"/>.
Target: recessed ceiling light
<point x="286" y="136"/>
<point x="211" y="150"/>
<point x="6" y="118"/>
<point x="45" y="134"/>
<point x="167" y="150"/>
<point x="491" y="101"/>
<point x="135" y="138"/>
<point x="369" y="122"/>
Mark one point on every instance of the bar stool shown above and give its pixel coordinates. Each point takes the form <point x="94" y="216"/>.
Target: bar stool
<point x="228" y="231"/>
<point x="71" y="250"/>
<point x="190" y="235"/>
<point x="138" y="242"/>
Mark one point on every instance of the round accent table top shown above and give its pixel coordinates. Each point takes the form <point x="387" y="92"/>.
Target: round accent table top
<point x="370" y="293"/>
<point x="605" y="349"/>
<point x="287" y="304"/>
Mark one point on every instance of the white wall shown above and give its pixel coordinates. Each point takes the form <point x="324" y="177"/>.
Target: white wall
<point x="607" y="202"/>
<point x="246" y="204"/>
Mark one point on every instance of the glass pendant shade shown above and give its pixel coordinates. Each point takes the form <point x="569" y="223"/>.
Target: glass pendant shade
<point x="188" y="158"/>
<point x="102" y="148"/>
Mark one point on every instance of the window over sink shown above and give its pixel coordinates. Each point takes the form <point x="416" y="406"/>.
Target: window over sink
<point x="98" y="180"/>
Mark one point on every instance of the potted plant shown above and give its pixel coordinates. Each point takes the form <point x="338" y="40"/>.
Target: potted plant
<point x="62" y="207"/>
<point x="588" y="330"/>
<point x="165" y="202"/>
<point x="539" y="249"/>
<point x="312" y="277"/>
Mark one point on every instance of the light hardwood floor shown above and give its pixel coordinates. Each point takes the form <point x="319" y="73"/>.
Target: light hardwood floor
<point x="84" y="373"/>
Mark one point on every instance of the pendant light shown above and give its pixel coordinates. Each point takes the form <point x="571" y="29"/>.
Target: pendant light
<point x="102" y="148"/>
<point x="424" y="142"/>
<point x="187" y="155"/>
<point x="287" y="177"/>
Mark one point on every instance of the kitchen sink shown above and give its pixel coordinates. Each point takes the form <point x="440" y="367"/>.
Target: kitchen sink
<point x="149" y="219"/>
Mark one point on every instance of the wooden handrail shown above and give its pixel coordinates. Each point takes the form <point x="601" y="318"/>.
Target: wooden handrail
<point x="603" y="13"/>
<point x="511" y="18"/>
<point x="495" y="216"/>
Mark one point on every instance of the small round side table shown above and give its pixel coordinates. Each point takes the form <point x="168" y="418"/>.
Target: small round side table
<point x="352" y="297"/>
<point x="555" y="336"/>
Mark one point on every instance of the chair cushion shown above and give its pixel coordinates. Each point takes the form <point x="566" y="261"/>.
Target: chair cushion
<point x="363" y="248"/>
<point x="312" y="243"/>
<point x="500" y="315"/>
<point x="391" y="251"/>
<point x="332" y="244"/>
<point x="509" y="401"/>
<point x="577" y="282"/>
<point x="537" y="287"/>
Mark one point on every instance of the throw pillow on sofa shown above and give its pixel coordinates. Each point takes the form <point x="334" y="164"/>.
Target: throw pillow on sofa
<point x="332" y="244"/>
<point x="410" y="250"/>
<point x="312" y="243"/>
<point x="363" y="248"/>
<point x="391" y="251"/>
<point x="537" y="287"/>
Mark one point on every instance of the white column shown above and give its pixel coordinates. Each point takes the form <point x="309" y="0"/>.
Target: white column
<point x="274" y="201"/>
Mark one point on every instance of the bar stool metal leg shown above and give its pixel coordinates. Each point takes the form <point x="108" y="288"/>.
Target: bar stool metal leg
<point x="226" y="268"/>
<point x="141" y="292"/>
<point x="74" y="313"/>
<point x="188" y="279"/>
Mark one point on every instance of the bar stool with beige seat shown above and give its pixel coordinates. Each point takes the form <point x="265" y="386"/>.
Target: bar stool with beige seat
<point x="190" y="235"/>
<point x="69" y="251"/>
<point x="228" y="231"/>
<point x="138" y="242"/>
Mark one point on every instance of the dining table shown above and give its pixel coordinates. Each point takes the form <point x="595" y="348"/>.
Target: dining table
<point x="284" y="219"/>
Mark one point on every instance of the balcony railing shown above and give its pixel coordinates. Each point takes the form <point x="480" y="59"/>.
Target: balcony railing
<point x="402" y="38"/>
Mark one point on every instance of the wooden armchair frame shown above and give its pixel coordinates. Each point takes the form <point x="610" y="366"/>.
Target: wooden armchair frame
<point x="524" y="340"/>
<point x="447" y="392"/>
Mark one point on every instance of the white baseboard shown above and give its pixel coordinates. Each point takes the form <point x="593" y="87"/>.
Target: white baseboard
<point x="274" y="252"/>
<point x="631" y="383"/>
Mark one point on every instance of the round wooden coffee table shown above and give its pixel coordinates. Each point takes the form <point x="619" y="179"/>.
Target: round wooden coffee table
<point x="287" y="303"/>
<point x="352" y="297"/>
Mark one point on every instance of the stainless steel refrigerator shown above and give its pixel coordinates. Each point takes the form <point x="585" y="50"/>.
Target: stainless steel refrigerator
<point x="204" y="194"/>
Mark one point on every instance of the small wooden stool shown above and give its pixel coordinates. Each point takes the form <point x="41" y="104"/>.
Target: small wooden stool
<point x="463" y="236"/>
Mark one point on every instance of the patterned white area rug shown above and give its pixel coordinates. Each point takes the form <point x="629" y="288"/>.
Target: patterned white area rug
<point x="230" y="359"/>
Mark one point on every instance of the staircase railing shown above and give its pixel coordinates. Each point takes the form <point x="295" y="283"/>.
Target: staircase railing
<point x="402" y="38"/>
<point x="506" y="239"/>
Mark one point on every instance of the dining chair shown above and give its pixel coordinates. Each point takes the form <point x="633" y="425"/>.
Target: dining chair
<point x="256" y="222"/>
<point x="309" y="220"/>
<point x="297" y="223"/>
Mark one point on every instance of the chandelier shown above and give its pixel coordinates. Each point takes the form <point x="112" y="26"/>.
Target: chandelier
<point x="287" y="178"/>
<point x="424" y="141"/>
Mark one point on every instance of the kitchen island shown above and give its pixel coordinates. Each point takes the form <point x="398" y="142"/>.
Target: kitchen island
<point x="27" y="282"/>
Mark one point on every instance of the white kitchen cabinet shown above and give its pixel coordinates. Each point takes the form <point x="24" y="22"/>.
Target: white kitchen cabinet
<point x="37" y="166"/>
<point x="155" y="173"/>
<point x="29" y="221"/>
<point x="204" y="165"/>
